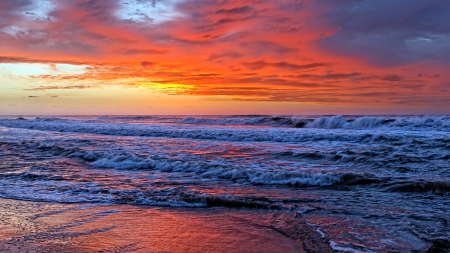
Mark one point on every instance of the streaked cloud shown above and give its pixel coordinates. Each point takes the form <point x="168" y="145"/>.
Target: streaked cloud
<point x="381" y="53"/>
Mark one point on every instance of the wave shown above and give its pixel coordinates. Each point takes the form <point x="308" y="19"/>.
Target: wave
<point x="34" y="187"/>
<point x="214" y="171"/>
<point x="204" y="169"/>
<point x="280" y="135"/>
<point x="50" y="119"/>
<point x="79" y="192"/>
<point x="415" y="123"/>
<point x="330" y="122"/>
<point x="321" y="122"/>
<point x="341" y="122"/>
<point x="229" y="171"/>
<point x="109" y="117"/>
<point x="240" y="120"/>
<point x="436" y="187"/>
<point x="207" y="171"/>
<point x="370" y="122"/>
<point x="137" y="117"/>
<point x="140" y="119"/>
<point x="27" y="176"/>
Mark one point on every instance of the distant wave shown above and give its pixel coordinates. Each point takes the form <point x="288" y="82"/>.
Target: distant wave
<point x="144" y="119"/>
<point x="50" y="119"/>
<point x="240" y="120"/>
<point x="330" y="122"/>
<point x="268" y="134"/>
<point x="138" y="117"/>
<point x="423" y="122"/>
<point x="366" y="122"/>
<point x="341" y="122"/>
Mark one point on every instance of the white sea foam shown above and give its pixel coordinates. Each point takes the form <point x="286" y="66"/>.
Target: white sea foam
<point x="339" y="248"/>
<point x="341" y="122"/>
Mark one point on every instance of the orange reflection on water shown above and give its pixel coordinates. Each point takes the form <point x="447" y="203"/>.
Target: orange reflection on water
<point x="141" y="229"/>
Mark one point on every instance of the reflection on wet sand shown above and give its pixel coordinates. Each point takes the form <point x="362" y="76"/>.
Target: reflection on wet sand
<point x="39" y="227"/>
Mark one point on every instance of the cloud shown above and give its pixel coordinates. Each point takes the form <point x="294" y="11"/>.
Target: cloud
<point x="142" y="51"/>
<point x="9" y="59"/>
<point x="282" y="65"/>
<point x="332" y="76"/>
<point x="391" y="33"/>
<point x="261" y="47"/>
<point x="228" y="54"/>
<point x="237" y="10"/>
<point x="146" y="64"/>
<point x="44" y="88"/>
<point x="323" y="51"/>
<point x="392" y="78"/>
<point x="10" y="11"/>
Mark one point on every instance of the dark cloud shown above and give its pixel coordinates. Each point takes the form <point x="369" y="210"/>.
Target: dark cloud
<point x="282" y="65"/>
<point x="287" y="82"/>
<point x="146" y="64"/>
<point x="10" y="10"/>
<point x="334" y="76"/>
<point x="14" y="5"/>
<point x="221" y="23"/>
<point x="237" y="10"/>
<point x="71" y="27"/>
<point x="261" y="47"/>
<point x="44" y="88"/>
<point x="392" y="78"/>
<point x="229" y="54"/>
<point x="391" y="33"/>
<point x="291" y="6"/>
<point x="142" y="51"/>
<point x="98" y="11"/>
<point x="8" y="59"/>
<point x="203" y="41"/>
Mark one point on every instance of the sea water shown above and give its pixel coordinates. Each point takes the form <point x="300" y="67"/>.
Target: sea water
<point x="366" y="183"/>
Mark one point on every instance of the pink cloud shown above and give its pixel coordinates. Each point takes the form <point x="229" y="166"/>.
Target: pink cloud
<point x="280" y="50"/>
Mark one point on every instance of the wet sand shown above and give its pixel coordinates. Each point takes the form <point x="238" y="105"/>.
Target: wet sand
<point x="51" y="227"/>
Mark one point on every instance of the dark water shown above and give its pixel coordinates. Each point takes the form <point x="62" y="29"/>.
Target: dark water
<point x="368" y="184"/>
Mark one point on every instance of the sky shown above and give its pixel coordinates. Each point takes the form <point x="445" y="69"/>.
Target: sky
<point x="95" y="57"/>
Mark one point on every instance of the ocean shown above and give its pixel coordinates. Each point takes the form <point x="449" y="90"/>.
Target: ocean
<point x="364" y="183"/>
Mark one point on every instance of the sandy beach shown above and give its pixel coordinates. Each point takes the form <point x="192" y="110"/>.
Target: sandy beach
<point x="50" y="227"/>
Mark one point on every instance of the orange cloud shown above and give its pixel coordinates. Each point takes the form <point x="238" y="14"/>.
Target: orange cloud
<point x="296" y="51"/>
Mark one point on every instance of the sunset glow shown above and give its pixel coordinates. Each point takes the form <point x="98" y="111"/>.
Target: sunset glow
<point x="224" y="57"/>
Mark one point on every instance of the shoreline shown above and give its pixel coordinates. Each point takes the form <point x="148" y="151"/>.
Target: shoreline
<point x="41" y="226"/>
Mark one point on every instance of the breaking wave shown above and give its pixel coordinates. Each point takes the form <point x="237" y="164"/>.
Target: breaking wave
<point x="415" y="123"/>
<point x="322" y="122"/>
<point x="330" y="122"/>
<point x="240" y="120"/>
